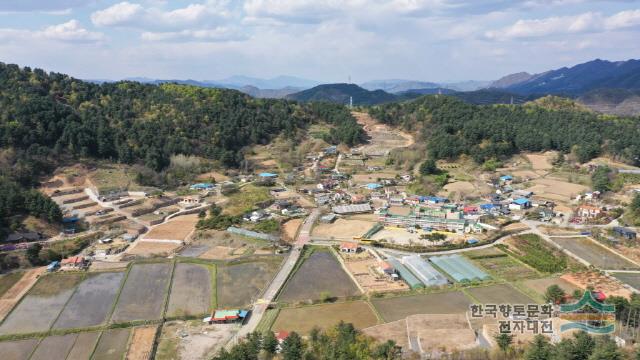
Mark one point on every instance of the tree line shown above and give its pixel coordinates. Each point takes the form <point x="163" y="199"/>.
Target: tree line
<point x="451" y="128"/>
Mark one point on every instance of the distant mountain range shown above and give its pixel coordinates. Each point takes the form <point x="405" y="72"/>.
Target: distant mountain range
<point x="604" y="86"/>
<point x="576" y="80"/>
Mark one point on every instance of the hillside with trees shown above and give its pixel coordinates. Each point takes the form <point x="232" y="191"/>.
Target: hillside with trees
<point x="49" y="118"/>
<point x="451" y="127"/>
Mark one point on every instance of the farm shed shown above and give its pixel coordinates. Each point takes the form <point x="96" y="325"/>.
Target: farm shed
<point x="424" y="271"/>
<point x="405" y="274"/>
<point x="348" y="247"/>
<point x="328" y="219"/>
<point x="352" y="209"/>
<point x="624" y="232"/>
<point x="520" y="204"/>
<point x="226" y="316"/>
<point x="459" y="268"/>
<point x="268" y="175"/>
<point x="202" y="186"/>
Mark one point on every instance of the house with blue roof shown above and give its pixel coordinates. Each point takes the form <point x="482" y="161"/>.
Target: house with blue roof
<point x="268" y="175"/>
<point x="520" y="204"/>
<point x="506" y="178"/>
<point x="373" y="186"/>
<point x="202" y="186"/>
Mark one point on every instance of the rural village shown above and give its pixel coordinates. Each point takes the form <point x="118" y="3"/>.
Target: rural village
<point x="344" y="234"/>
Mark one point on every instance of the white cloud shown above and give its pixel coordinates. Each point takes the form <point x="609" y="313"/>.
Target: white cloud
<point x="72" y="30"/>
<point x="123" y="13"/>
<point x="586" y="22"/>
<point x="126" y="14"/>
<point x="219" y="34"/>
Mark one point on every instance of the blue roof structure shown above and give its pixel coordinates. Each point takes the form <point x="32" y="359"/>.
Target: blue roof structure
<point x="472" y="241"/>
<point x="436" y="199"/>
<point x="521" y="201"/>
<point x="506" y="178"/>
<point x="373" y="186"/>
<point x="266" y="174"/>
<point x="487" y="206"/>
<point x="202" y="186"/>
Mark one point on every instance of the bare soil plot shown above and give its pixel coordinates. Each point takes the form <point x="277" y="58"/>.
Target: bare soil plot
<point x="610" y="286"/>
<point x="396" y="308"/>
<point x="320" y="272"/>
<point x="239" y="284"/>
<point x="152" y="248"/>
<point x="54" y="347"/>
<point x="215" y="175"/>
<point x="517" y="226"/>
<point x="342" y="229"/>
<point x="18" y="349"/>
<point x="190" y="291"/>
<point x="363" y="178"/>
<point x="92" y="301"/>
<point x="84" y="345"/>
<point x="631" y="279"/>
<point x="202" y="342"/>
<point x="383" y="138"/>
<point x="112" y="345"/>
<point x="540" y="285"/>
<point x="177" y="228"/>
<point x="11" y="296"/>
<point x="437" y="331"/>
<point x="142" y="343"/>
<point x="290" y="229"/>
<point x="97" y="266"/>
<point x="143" y="294"/>
<point x="594" y="254"/>
<point x="499" y="294"/>
<point x="558" y="187"/>
<point x="395" y="330"/>
<point x="526" y="174"/>
<point x="464" y="187"/>
<point x="371" y="281"/>
<point x="40" y="307"/>
<point x="223" y="253"/>
<point x="540" y="161"/>
<point x="303" y="319"/>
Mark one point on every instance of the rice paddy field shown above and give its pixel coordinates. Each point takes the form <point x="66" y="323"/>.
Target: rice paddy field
<point x="112" y="345"/>
<point x="144" y="293"/>
<point x="303" y="319"/>
<point x="238" y="284"/>
<point x="92" y="301"/>
<point x="319" y="273"/>
<point x="396" y="308"/>
<point x="190" y="290"/>
<point x="41" y="306"/>
<point x="54" y="347"/>
<point x="17" y="350"/>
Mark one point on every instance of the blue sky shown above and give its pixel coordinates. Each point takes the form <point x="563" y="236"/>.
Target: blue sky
<point x="431" y="40"/>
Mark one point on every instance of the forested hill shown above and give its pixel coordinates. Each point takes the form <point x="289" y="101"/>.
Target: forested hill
<point x="132" y="122"/>
<point x="47" y="117"/>
<point x="452" y="127"/>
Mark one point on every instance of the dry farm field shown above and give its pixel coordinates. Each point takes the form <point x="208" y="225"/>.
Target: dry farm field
<point x="319" y="274"/>
<point x="143" y="294"/>
<point x="143" y="248"/>
<point x="344" y="229"/>
<point x="499" y="294"/>
<point x="540" y="285"/>
<point x="191" y="290"/>
<point x="599" y="282"/>
<point x="142" y="343"/>
<point x="37" y="311"/>
<point x="303" y="319"/>
<point x="177" y="228"/>
<point x="397" y="308"/>
<point x="92" y="301"/>
<point x="395" y="330"/>
<point x="594" y="253"/>
<point x="501" y="265"/>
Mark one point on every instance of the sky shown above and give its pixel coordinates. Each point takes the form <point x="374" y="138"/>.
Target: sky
<point x="328" y="41"/>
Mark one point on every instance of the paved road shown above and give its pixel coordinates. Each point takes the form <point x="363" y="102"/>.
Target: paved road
<point x="260" y="307"/>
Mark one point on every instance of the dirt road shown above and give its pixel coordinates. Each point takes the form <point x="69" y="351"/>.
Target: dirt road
<point x="269" y="295"/>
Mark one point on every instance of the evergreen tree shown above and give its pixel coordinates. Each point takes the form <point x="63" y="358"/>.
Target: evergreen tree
<point x="539" y="349"/>
<point x="292" y="347"/>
